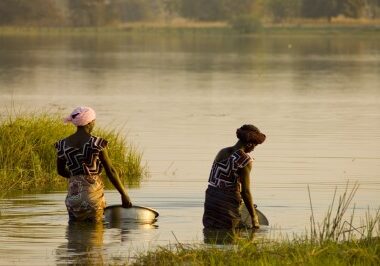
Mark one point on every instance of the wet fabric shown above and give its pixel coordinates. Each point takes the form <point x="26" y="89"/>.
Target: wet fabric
<point x="85" y="197"/>
<point x="221" y="209"/>
<point x="223" y="199"/>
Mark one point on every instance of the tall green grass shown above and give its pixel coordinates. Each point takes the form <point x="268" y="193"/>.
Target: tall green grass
<point x="334" y="241"/>
<point x="28" y="156"/>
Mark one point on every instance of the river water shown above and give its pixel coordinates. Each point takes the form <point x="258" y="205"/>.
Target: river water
<point x="179" y="100"/>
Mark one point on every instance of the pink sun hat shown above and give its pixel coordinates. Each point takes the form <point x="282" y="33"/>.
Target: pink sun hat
<point x="81" y="116"/>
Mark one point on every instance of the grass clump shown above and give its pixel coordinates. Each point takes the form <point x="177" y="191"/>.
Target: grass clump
<point x="28" y="156"/>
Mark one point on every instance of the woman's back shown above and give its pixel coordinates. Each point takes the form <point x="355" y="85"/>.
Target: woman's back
<point x="224" y="172"/>
<point x="77" y="140"/>
<point x="224" y="154"/>
<point x="82" y="159"/>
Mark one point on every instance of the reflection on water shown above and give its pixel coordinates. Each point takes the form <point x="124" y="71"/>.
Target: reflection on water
<point x="37" y="227"/>
<point x="229" y="236"/>
<point x="84" y="244"/>
<point x="127" y="226"/>
<point x="225" y="237"/>
<point x="85" y="241"/>
<point x="180" y="100"/>
<point x="120" y="63"/>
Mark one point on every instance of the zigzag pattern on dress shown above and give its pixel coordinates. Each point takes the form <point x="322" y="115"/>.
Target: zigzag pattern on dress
<point x="224" y="173"/>
<point x="84" y="160"/>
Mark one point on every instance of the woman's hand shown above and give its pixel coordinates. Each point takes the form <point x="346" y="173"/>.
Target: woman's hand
<point x="255" y="222"/>
<point x="125" y="201"/>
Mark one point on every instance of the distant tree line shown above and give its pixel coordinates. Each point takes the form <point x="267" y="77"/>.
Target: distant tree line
<point x="29" y="12"/>
<point x="108" y="12"/>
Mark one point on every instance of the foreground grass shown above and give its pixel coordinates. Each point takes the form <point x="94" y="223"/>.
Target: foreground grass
<point x="28" y="157"/>
<point x="296" y="252"/>
<point x="335" y="241"/>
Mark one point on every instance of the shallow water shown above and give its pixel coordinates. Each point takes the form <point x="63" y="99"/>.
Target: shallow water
<point x="180" y="100"/>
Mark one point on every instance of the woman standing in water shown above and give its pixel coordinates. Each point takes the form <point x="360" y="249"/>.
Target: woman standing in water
<point x="81" y="158"/>
<point x="229" y="182"/>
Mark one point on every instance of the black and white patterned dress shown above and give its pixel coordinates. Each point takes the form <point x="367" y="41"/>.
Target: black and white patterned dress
<point x="223" y="199"/>
<point x="85" y="198"/>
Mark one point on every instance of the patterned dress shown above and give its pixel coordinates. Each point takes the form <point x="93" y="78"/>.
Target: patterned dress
<point x="85" y="198"/>
<point x="223" y="199"/>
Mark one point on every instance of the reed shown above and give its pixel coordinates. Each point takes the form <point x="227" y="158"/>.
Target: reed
<point x="28" y="157"/>
<point x="332" y="227"/>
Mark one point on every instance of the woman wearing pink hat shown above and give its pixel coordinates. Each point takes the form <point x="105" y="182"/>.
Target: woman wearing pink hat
<point x="81" y="158"/>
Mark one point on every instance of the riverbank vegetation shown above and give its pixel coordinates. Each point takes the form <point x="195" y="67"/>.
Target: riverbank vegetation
<point x="241" y="16"/>
<point x="243" y="26"/>
<point x="296" y="252"/>
<point x="28" y="156"/>
<point x="334" y="241"/>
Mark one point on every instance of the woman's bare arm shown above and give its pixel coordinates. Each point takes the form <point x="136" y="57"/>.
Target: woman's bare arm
<point x="113" y="176"/>
<point x="245" y="187"/>
<point x="246" y="191"/>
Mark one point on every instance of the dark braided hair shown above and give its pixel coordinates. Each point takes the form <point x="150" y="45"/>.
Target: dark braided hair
<point x="250" y="134"/>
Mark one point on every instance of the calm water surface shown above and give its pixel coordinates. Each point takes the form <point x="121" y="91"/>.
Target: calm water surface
<point x="180" y="100"/>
